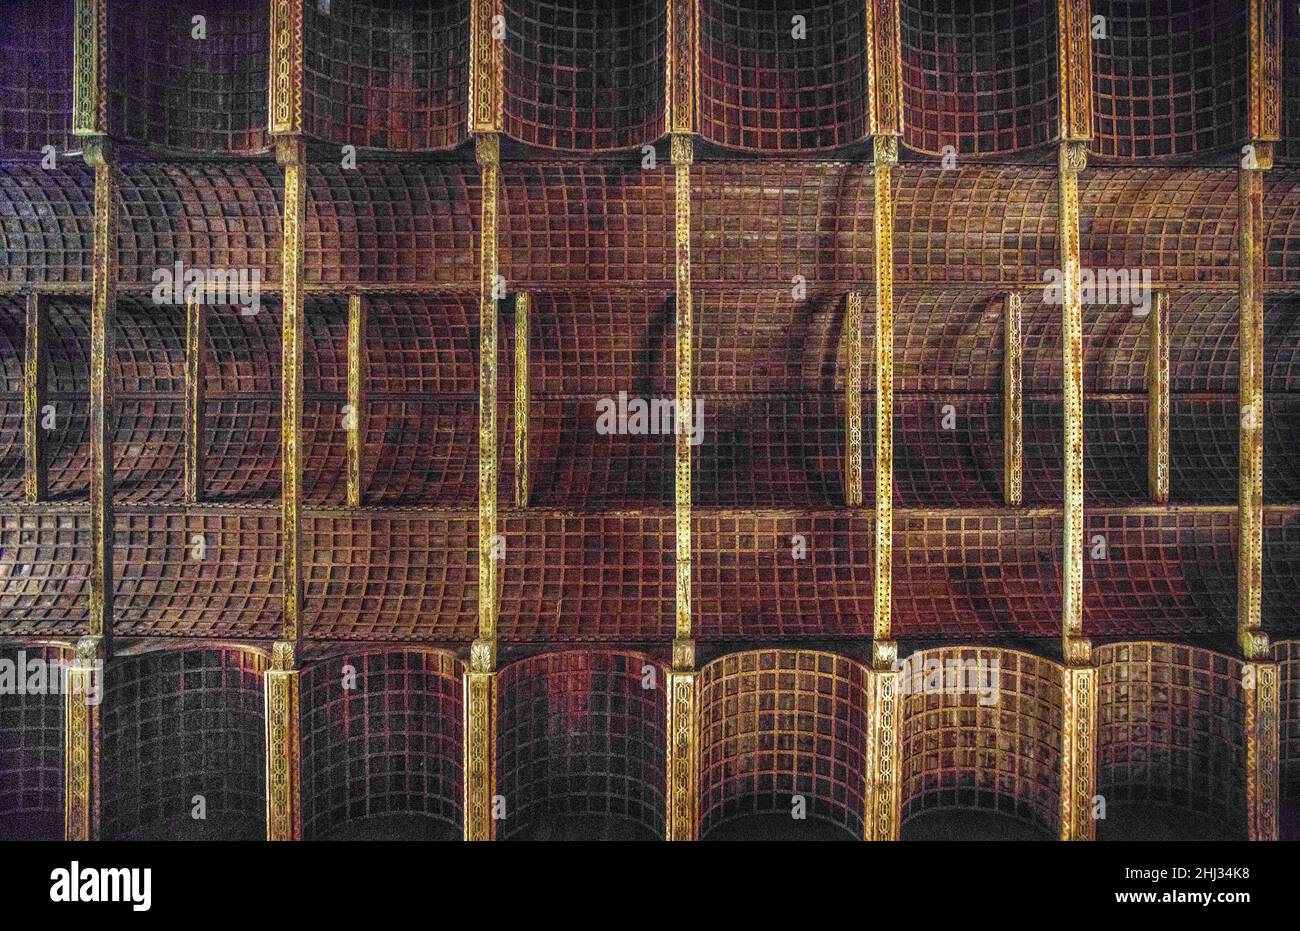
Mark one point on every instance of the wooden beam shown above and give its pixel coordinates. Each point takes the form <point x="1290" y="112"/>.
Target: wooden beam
<point x="35" y="356"/>
<point x="283" y="746"/>
<point x="853" y="399"/>
<point x="1158" y="399"/>
<point x="356" y="399"/>
<point x="1013" y="440"/>
<point x="522" y="399"/>
<point x="196" y="343"/>
<point x="291" y="154"/>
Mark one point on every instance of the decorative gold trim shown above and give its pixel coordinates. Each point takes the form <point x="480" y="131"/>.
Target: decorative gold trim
<point x="683" y="757"/>
<point x="356" y="399"/>
<point x="103" y="305"/>
<point x="283" y="749"/>
<point x="522" y="399"/>
<point x="884" y="68"/>
<point x="90" y="67"/>
<point x="1073" y="158"/>
<point x="1264" y="107"/>
<point x="35" y="356"/>
<point x="489" y="154"/>
<point x="1013" y="440"/>
<point x="292" y="156"/>
<point x="1074" y="58"/>
<point x="683" y="155"/>
<point x="284" y="92"/>
<point x="486" y="64"/>
<point x="886" y="156"/>
<point x="81" y="748"/>
<point x="1078" y="752"/>
<point x="195" y="352"/>
<point x="480" y="754"/>
<point x="1250" y="345"/>
<point x="1263" y="735"/>
<point x="853" y="398"/>
<point x="1158" y="399"/>
<point x="884" y="755"/>
<point x="679" y="70"/>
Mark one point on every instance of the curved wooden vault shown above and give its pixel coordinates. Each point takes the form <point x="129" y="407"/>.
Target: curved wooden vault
<point x="359" y="564"/>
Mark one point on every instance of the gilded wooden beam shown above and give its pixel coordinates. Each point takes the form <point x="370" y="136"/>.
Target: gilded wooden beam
<point x="683" y="757"/>
<point x="196" y="323"/>
<point x="853" y="398"/>
<point x="81" y="735"/>
<point x="1158" y="399"/>
<point x="480" y="703"/>
<point x="680" y="66"/>
<point x="292" y="156"/>
<point x="286" y="56"/>
<point x="1264" y="100"/>
<point x="35" y="356"/>
<point x="884" y="755"/>
<point x="486" y="61"/>
<point x="103" y="303"/>
<point x="683" y="156"/>
<point x="1250" y="444"/>
<point x="283" y="749"/>
<point x="489" y="153"/>
<point x="1078" y="751"/>
<point x="885" y="69"/>
<point x="1073" y="159"/>
<point x="1074" y="62"/>
<point x="886" y="156"/>
<point x="522" y="399"/>
<point x="90" y="67"/>
<point x="1263" y="736"/>
<point x="356" y="399"/>
<point x="1013" y="439"/>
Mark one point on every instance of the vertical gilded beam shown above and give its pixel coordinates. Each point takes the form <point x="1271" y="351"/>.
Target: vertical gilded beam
<point x="480" y="742"/>
<point x="102" y="312"/>
<point x="283" y="750"/>
<point x="683" y="156"/>
<point x="90" y="67"/>
<point x="486" y="61"/>
<point x="81" y="736"/>
<point x="1264" y="101"/>
<point x="1263" y="736"/>
<point x="886" y="156"/>
<point x="1158" y="399"/>
<point x="853" y="399"/>
<point x="284" y="95"/>
<point x="292" y="157"/>
<point x="884" y="754"/>
<point x="885" y="69"/>
<point x="34" y="399"/>
<point x="522" y="399"/>
<point x="1013" y="440"/>
<point x="195" y="352"/>
<point x="680" y="66"/>
<point x="683" y="756"/>
<point x="1078" y="751"/>
<point x="356" y="399"/>
<point x="1073" y="159"/>
<point x="488" y="149"/>
<point x="1250" y="345"/>
<point x="1074" y="62"/>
